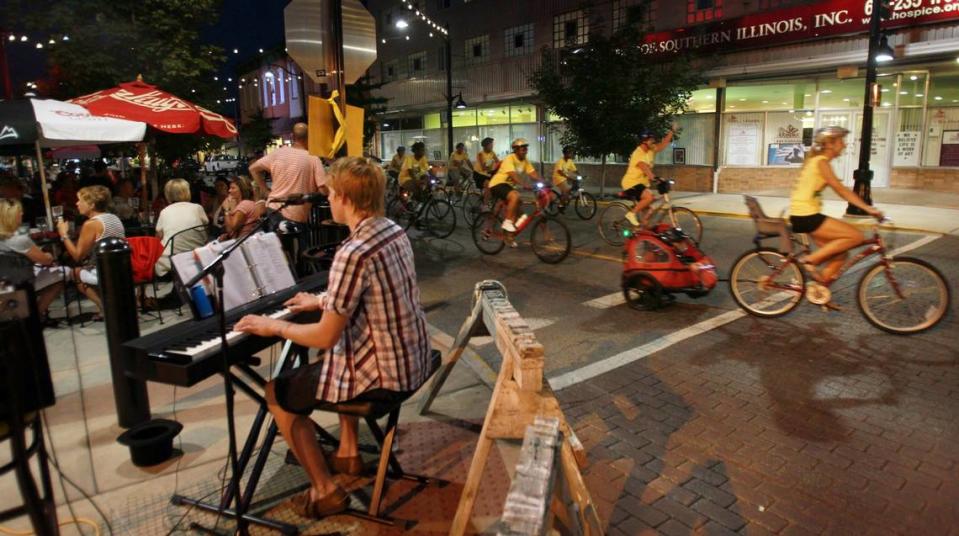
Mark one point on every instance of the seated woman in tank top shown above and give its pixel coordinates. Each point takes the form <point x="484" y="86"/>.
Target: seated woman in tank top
<point x="834" y="237"/>
<point x="92" y="202"/>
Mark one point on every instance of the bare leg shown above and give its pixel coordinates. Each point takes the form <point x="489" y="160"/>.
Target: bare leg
<point x="349" y="442"/>
<point x="299" y="434"/>
<point x="835" y="238"/>
<point x="92" y="295"/>
<point x="512" y="205"/>
<point x="645" y="200"/>
<point x="47" y="295"/>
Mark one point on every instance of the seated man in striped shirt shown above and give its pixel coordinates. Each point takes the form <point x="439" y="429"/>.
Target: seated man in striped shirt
<point x="373" y="329"/>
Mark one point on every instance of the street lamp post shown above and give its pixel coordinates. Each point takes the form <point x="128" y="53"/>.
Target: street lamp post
<point x="449" y="91"/>
<point x="863" y="175"/>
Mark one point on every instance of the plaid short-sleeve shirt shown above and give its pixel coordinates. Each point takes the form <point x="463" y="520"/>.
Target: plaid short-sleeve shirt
<point x="385" y="344"/>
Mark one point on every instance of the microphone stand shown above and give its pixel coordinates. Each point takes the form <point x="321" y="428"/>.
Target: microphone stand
<point x="215" y="267"/>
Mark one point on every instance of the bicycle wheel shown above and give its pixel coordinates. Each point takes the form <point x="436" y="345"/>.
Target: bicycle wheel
<point x="612" y="222"/>
<point x="440" y="218"/>
<point x="550" y="240"/>
<point x="487" y="234"/>
<point x="585" y="205"/>
<point x="401" y="211"/>
<point x="910" y="296"/>
<point x="689" y="222"/>
<point x="758" y="291"/>
<point x="472" y="206"/>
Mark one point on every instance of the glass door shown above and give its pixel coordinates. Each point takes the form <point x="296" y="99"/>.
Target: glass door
<point x="879" y="160"/>
<point x="845" y="164"/>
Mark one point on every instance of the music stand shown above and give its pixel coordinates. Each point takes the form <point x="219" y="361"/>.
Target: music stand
<point x="215" y="268"/>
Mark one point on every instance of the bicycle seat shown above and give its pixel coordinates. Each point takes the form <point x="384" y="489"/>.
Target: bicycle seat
<point x="767" y="227"/>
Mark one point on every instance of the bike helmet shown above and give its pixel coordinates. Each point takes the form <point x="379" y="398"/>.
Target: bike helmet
<point x="519" y="142"/>
<point x="830" y="132"/>
<point x="646" y="134"/>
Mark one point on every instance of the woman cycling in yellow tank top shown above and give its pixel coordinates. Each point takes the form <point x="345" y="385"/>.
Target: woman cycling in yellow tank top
<point x="834" y="238"/>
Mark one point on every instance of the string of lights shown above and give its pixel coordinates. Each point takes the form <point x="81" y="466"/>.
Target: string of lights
<point x="17" y="38"/>
<point x="435" y="26"/>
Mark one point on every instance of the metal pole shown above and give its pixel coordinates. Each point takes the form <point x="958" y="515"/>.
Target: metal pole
<point x="43" y="186"/>
<point x="115" y="275"/>
<point x="449" y="92"/>
<point x="863" y="175"/>
<point x="339" y="76"/>
<point x="5" y="68"/>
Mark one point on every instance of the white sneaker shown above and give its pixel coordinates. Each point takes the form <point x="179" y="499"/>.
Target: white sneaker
<point x="508" y="226"/>
<point x="631" y="218"/>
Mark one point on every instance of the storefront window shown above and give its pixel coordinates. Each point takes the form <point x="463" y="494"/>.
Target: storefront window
<point x="432" y="121"/>
<point x="435" y="141"/>
<point x="908" y="133"/>
<point x="468" y="136"/>
<point x="787" y="137"/>
<point x="846" y="93"/>
<point x="695" y="143"/>
<point x="464" y="118"/>
<point x="702" y="101"/>
<point x="912" y="89"/>
<point x="500" y="135"/>
<point x="522" y="113"/>
<point x="493" y="116"/>
<point x="944" y="90"/>
<point x="779" y="96"/>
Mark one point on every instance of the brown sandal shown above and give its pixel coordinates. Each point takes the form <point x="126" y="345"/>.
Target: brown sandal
<point x="333" y="503"/>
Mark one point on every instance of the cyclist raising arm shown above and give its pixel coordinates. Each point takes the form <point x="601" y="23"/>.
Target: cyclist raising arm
<point x="513" y="171"/>
<point x="834" y="238"/>
<point x="639" y="174"/>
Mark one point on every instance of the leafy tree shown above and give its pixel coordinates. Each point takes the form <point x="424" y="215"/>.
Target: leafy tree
<point x="609" y="92"/>
<point x="113" y="41"/>
<point x="256" y="133"/>
<point x="361" y="94"/>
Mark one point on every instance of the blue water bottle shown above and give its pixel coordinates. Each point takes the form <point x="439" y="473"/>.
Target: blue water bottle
<point x="202" y="302"/>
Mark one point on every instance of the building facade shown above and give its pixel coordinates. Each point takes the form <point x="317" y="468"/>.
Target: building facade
<point x="780" y="70"/>
<point x="274" y="85"/>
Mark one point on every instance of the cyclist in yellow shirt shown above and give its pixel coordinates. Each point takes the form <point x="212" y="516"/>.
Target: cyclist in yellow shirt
<point x="515" y="170"/>
<point x="460" y="168"/>
<point x="486" y="162"/>
<point x="834" y="238"/>
<point x="639" y="174"/>
<point x="414" y="170"/>
<point x="396" y="164"/>
<point x="564" y="170"/>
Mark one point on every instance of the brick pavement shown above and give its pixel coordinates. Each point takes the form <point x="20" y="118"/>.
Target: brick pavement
<point x="778" y="427"/>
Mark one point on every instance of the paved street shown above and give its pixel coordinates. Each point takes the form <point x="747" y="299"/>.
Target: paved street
<point x="814" y="423"/>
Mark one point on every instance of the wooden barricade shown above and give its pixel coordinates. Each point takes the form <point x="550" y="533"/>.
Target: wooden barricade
<point x="519" y="397"/>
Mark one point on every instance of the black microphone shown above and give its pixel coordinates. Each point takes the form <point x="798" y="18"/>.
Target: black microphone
<point x="299" y="199"/>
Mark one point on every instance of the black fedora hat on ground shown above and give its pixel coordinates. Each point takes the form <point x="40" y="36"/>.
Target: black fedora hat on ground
<point x="151" y="442"/>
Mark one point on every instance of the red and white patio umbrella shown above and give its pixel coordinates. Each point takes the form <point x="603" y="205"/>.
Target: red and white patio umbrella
<point x="139" y="101"/>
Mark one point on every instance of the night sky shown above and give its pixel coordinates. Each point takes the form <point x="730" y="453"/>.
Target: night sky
<point x="246" y="25"/>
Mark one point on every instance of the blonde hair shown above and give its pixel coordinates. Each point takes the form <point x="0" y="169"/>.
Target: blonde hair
<point x="824" y="135"/>
<point x="176" y="190"/>
<point x="98" y="197"/>
<point x="9" y="209"/>
<point x="360" y="181"/>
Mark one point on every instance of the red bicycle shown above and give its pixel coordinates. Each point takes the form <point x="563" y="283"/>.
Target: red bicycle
<point x="549" y="238"/>
<point x="901" y="295"/>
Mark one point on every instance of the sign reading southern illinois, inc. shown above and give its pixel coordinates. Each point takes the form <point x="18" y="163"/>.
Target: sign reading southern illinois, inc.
<point x="824" y="19"/>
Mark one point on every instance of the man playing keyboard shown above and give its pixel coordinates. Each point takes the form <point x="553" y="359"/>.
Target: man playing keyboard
<point x="373" y="328"/>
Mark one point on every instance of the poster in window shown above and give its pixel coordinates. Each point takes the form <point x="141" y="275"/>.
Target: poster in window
<point x="679" y="155"/>
<point x="949" y="154"/>
<point x="742" y="144"/>
<point x="785" y="154"/>
<point x="907" y="149"/>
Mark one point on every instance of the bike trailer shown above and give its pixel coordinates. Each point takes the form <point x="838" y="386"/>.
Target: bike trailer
<point x="664" y="260"/>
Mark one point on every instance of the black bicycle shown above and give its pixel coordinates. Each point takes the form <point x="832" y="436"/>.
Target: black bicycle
<point x="427" y="212"/>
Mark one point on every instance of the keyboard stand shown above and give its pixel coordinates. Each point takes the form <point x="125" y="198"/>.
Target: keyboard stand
<point x="288" y="357"/>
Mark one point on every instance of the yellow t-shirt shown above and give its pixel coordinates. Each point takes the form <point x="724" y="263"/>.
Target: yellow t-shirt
<point x="806" y="197"/>
<point x="634" y="175"/>
<point x="563" y="166"/>
<point x="486" y="161"/>
<point x="458" y="159"/>
<point x="413" y="168"/>
<point x="511" y="164"/>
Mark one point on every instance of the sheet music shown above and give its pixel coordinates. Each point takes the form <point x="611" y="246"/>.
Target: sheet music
<point x="239" y="287"/>
<point x="186" y="266"/>
<point x="267" y="262"/>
